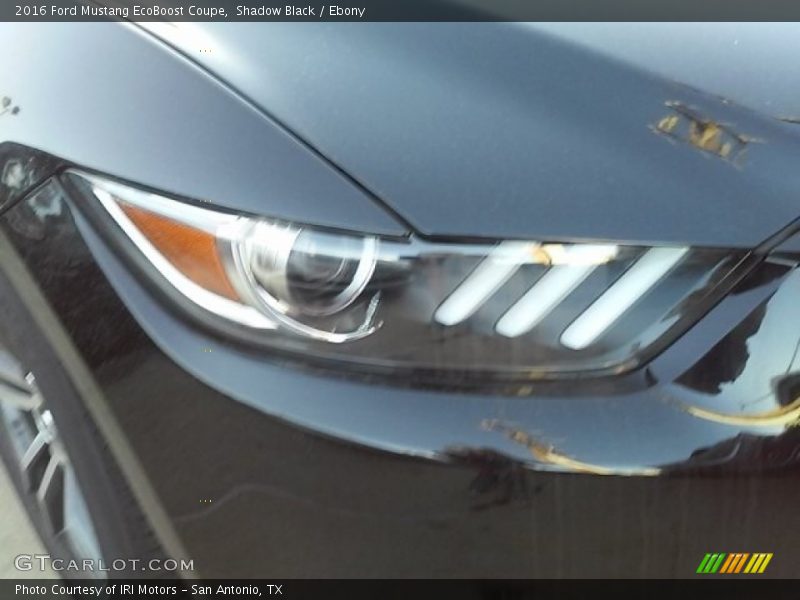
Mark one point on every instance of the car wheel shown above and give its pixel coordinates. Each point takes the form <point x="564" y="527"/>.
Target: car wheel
<point x="61" y="466"/>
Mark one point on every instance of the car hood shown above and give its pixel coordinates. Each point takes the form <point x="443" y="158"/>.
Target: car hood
<point x="643" y="133"/>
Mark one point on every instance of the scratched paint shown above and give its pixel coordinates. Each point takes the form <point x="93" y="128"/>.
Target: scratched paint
<point x="689" y="126"/>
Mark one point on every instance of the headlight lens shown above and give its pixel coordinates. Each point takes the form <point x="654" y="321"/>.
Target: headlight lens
<point x="518" y="309"/>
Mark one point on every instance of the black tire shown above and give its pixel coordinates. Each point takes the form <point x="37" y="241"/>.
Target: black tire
<point x="121" y="528"/>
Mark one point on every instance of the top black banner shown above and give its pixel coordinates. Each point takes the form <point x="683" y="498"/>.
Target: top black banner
<point x="401" y="10"/>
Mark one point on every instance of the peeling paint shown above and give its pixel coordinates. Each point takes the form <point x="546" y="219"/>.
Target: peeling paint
<point x="687" y="125"/>
<point x="548" y="454"/>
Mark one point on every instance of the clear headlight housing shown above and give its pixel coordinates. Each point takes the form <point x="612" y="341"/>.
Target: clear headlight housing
<point x="519" y="309"/>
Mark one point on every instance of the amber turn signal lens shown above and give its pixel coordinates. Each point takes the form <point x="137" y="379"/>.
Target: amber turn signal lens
<point x="191" y="251"/>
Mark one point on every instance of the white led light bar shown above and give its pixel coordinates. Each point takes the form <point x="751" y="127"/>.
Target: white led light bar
<point x="543" y="297"/>
<point x="488" y="277"/>
<point x="616" y="300"/>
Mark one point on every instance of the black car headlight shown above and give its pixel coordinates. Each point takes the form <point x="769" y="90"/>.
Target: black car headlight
<point x="523" y="309"/>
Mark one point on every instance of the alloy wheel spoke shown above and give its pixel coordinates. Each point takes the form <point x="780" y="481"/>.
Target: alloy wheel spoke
<point x="20" y="399"/>
<point x="48" y="478"/>
<point x="34" y="451"/>
<point x="50" y="494"/>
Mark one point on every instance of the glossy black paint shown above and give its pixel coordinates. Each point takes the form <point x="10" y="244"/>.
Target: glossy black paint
<point x="149" y="115"/>
<point x="512" y="130"/>
<point x="747" y="63"/>
<point x="314" y="475"/>
<point x="483" y="129"/>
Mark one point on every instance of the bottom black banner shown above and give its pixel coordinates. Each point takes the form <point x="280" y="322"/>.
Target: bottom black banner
<point x="386" y="589"/>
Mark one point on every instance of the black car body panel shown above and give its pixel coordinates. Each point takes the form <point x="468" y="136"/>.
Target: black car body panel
<point x="148" y="115"/>
<point x="264" y="466"/>
<point x="503" y="130"/>
<point x="629" y="476"/>
<point x="528" y="151"/>
<point x="744" y="63"/>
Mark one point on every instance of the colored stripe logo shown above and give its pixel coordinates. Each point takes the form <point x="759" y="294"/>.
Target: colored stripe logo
<point x="733" y="563"/>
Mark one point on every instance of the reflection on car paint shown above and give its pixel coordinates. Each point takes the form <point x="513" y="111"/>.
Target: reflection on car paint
<point x="21" y="169"/>
<point x="750" y="377"/>
<point x="498" y="479"/>
<point x="788" y="416"/>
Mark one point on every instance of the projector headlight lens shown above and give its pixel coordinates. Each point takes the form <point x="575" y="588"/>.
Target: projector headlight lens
<point x="310" y="273"/>
<point x="518" y="309"/>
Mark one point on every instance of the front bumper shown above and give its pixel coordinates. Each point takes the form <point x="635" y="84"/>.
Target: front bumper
<point x="267" y="469"/>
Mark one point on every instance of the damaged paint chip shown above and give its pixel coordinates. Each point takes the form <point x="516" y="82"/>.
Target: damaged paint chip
<point x="547" y="454"/>
<point x="690" y="127"/>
